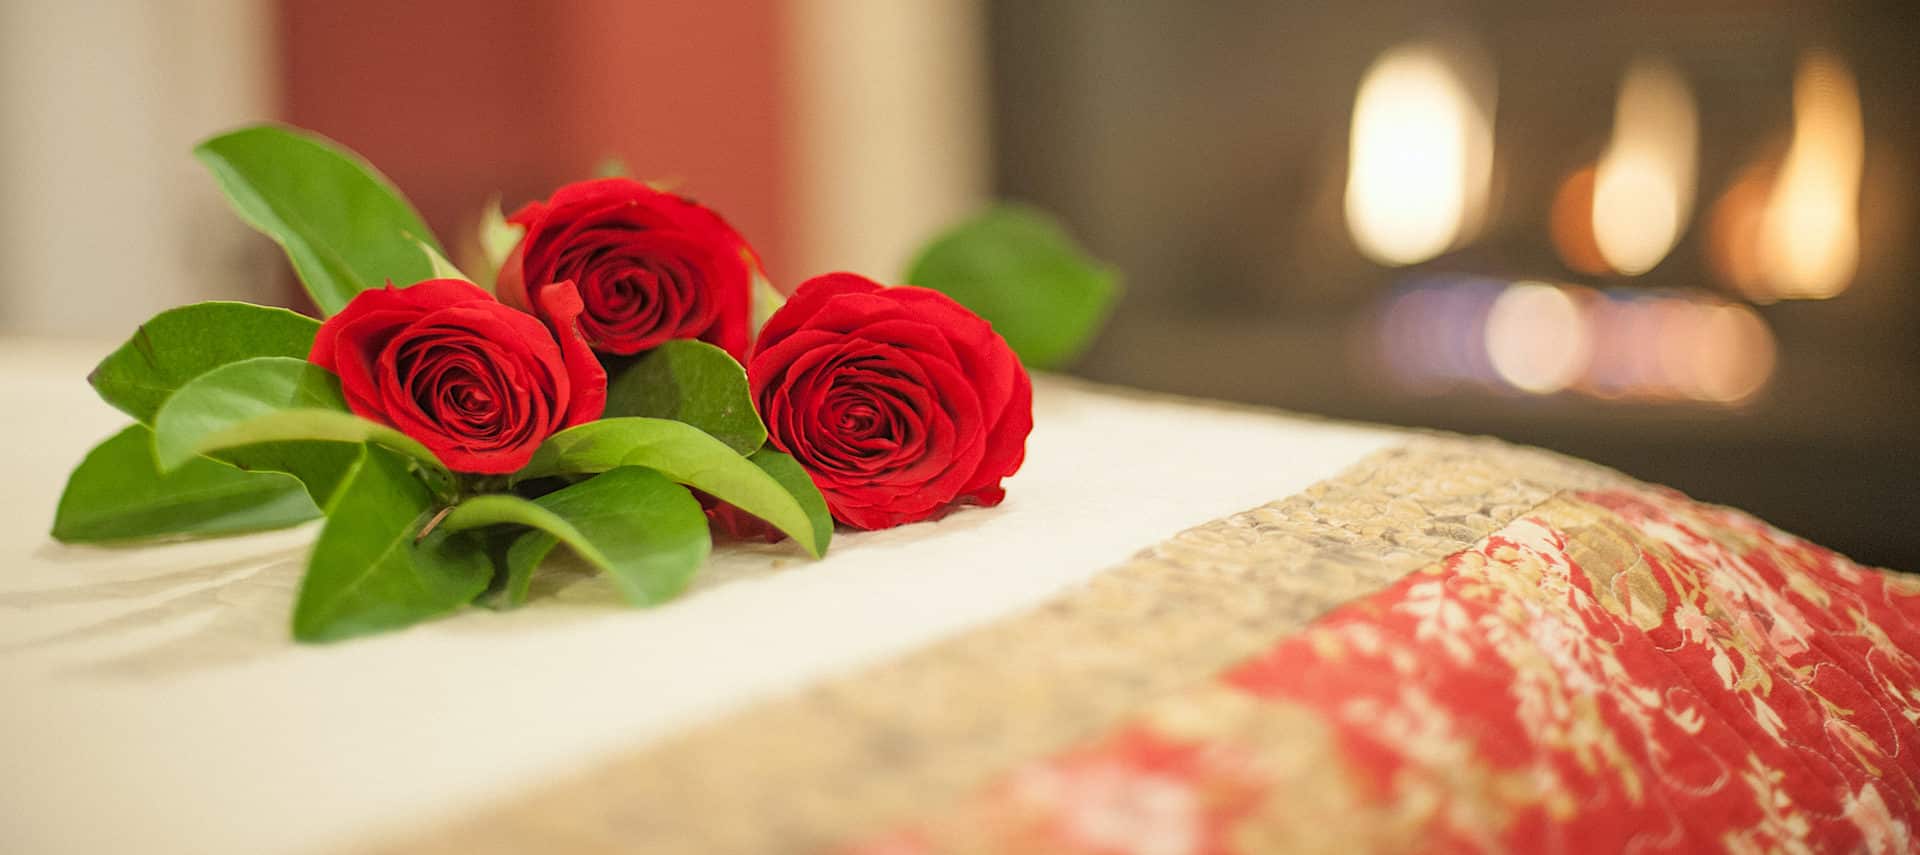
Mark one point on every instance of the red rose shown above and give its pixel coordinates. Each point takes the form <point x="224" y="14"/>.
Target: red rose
<point x="476" y="382"/>
<point x="651" y="266"/>
<point x="898" y="401"/>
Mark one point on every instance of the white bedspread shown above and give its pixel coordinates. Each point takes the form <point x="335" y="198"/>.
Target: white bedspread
<point x="153" y="702"/>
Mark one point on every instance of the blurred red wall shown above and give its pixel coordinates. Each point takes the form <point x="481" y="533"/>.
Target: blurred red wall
<point x="459" y="99"/>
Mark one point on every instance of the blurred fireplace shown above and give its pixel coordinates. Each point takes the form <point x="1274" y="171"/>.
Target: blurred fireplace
<point x="1211" y="152"/>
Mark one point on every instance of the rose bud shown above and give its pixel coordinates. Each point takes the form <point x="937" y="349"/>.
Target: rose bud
<point x="651" y="266"/>
<point x="478" y="383"/>
<point x="898" y="401"/>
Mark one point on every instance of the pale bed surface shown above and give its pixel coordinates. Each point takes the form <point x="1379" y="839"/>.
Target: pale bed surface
<point x="851" y="757"/>
<point x="154" y="703"/>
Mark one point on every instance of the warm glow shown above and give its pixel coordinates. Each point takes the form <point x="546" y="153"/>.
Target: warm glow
<point x="1570" y="224"/>
<point x="1448" y="331"/>
<point x="1537" y="338"/>
<point x="1733" y="353"/>
<point x="1676" y="344"/>
<point x="1644" y="183"/>
<point x="1433" y="335"/>
<point x="1733" y="231"/>
<point x="1419" y="161"/>
<point x="1810" y="242"/>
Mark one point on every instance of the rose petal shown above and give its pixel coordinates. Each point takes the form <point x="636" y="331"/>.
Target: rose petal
<point x="476" y="382"/>
<point x="609" y="234"/>
<point x="587" y="378"/>
<point x="806" y="301"/>
<point x="899" y="402"/>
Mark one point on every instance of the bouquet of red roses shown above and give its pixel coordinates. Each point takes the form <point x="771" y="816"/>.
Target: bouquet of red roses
<point x="629" y="383"/>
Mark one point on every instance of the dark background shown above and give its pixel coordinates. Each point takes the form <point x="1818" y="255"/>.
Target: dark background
<point x="1201" y="149"/>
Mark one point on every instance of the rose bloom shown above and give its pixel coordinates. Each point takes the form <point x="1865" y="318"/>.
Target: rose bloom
<point x="477" y="382"/>
<point x="651" y="266"/>
<point x="898" y="401"/>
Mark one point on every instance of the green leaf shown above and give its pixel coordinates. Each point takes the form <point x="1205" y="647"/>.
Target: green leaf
<point x="180" y="344"/>
<point x="266" y="400"/>
<point x="321" y="466"/>
<point x="683" y="453"/>
<point x="1018" y="269"/>
<point x="497" y="236"/>
<point x="343" y="225"/>
<point x="645" y="532"/>
<point x="523" y="557"/>
<point x="441" y="267"/>
<point x="693" y="382"/>
<point x="371" y="570"/>
<point x="765" y="300"/>
<point x="118" y="493"/>
<point x="799" y="484"/>
<point x="612" y="166"/>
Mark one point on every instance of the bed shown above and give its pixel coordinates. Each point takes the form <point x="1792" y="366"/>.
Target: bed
<point x="1191" y="628"/>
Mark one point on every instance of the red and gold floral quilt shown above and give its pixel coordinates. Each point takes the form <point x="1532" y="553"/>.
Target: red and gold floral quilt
<point x="1457" y="646"/>
<point x="1618" y="670"/>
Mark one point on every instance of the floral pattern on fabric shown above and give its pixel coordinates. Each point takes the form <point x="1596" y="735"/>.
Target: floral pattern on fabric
<point x="1617" y="670"/>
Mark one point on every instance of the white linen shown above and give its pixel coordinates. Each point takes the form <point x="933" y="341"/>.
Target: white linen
<point x="153" y="702"/>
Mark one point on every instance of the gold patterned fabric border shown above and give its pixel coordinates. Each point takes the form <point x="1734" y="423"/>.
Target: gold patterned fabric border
<point x="1617" y="670"/>
<point x="852" y="755"/>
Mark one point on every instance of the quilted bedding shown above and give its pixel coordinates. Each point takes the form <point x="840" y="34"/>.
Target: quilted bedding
<point x="1454" y="646"/>
<point x="1618" y="670"/>
<point x="1426" y="643"/>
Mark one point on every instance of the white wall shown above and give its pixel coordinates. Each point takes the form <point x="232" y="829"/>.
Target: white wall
<point x="105" y="217"/>
<point x="889" y="104"/>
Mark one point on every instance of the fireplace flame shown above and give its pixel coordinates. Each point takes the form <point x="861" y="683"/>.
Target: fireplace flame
<point x="1419" y="157"/>
<point x="1643" y="185"/>
<point x="1811" y="229"/>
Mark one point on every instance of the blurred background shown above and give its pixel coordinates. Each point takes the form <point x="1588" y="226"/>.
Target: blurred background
<point x="1677" y="238"/>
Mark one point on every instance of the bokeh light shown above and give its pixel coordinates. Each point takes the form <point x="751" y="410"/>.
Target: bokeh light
<point x="1537" y="338"/>
<point x="1443" y="332"/>
<point x="1570" y="224"/>
<point x="1419" y="156"/>
<point x="1734" y="231"/>
<point x="1810" y="243"/>
<point x="1643" y="184"/>
<point x="1734" y="354"/>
